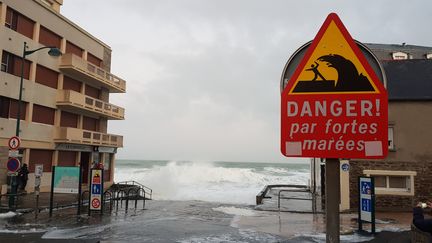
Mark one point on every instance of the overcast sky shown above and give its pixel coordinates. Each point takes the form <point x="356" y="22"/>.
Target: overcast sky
<point x="203" y="76"/>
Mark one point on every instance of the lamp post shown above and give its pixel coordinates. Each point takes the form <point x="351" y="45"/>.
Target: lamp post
<point x="53" y="51"/>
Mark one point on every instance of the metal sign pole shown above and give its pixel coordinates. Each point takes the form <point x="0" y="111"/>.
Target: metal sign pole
<point x="332" y="195"/>
<point x="373" y="205"/>
<point x="90" y="192"/>
<point x="38" y="178"/>
<point x="79" y="190"/>
<point x="102" y="192"/>
<point x="37" y="188"/>
<point x="360" y="223"/>
<point x="52" y="192"/>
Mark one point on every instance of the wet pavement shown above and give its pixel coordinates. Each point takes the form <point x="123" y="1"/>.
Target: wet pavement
<point x="188" y="221"/>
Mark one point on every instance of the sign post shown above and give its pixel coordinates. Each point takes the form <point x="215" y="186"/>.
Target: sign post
<point x="333" y="105"/>
<point x="96" y="191"/>
<point x="13" y="166"/>
<point x="332" y="199"/>
<point x="366" y="202"/>
<point x="38" y="174"/>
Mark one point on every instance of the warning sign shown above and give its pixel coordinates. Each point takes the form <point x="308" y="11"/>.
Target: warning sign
<point x="334" y="105"/>
<point x="96" y="179"/>
<point x="96" y="189"/>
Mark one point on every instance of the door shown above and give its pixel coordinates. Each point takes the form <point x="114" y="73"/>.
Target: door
<point x="84" y="166"/>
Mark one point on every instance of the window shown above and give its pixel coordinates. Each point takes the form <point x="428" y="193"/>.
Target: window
<point x="399" y="55"/>
<point x="71" y="84"/>
<point x="46" y="76"/>
<point x="391" y="145"/>
<point x="40" y="156"/>
<point x="19" y="23"/>
<point x="9" y="108"/>
<point x="94" y="60"/>
<point x="49" y="38"/>
<point x="92" y="92"/>
<point x="68" y="119"/>
<point x="393" y="182"/>
<point x="90" y="123"/>
<point x="12" y="64"/>
<point x="66" y="158"/>
<point x="13" y="109"/>
<point x="43" y="114"/>
<point x="4" y="107"/>
<point x="74" y="49"/>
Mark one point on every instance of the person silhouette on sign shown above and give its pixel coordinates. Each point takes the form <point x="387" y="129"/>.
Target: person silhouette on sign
<point x="314" y="68"/>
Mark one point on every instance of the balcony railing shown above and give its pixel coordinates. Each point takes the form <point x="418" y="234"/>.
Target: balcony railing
<point x="79" y="136"/>
<point x="83" y="70"/>
<point x="74" y="100"/>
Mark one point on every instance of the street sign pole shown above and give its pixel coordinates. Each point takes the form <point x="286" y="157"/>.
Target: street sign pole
<point x="13" y="165"/>
<point x="52" y="192"/>
<point x="366" y="204"/>
<point x="333" y="105"/>
<point x="332" y="194"/>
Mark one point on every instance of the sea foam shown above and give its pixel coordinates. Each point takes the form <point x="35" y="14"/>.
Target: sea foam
<point x="212" y="182"/>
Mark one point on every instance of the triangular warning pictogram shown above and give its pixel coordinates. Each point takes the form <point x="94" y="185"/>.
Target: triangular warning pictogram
<point x="334" y="64"/>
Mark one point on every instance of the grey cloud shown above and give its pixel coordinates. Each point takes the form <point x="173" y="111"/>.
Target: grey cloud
<point x="203" y="76"/>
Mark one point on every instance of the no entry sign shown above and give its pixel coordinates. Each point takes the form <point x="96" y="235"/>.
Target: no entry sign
<point x="334" y="105"/>
<point x="14" y="142"/>
<point x="13" y="165"/>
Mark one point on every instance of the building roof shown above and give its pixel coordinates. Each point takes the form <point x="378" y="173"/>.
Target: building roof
<point x="409" y="79"/>
<point x="385" y="51"/>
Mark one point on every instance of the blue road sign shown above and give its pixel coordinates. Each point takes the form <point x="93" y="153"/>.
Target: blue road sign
<point x="366" y="205"/>
<point x="365" y="187"/>
<point x="96" y="189"/>
<point x="13" y="164"/>
<point x="345" y="167"/>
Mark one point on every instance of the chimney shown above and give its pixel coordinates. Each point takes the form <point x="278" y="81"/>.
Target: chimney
<point x="54" y="4"/>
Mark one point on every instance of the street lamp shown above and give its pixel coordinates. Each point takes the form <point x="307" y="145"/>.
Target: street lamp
<point x="53" y="51"/>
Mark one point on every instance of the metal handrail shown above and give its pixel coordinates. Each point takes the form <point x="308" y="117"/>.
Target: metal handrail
<point x="294" y="198"/>
<point x="138" y="184"/>
<point x="110" y="198"/>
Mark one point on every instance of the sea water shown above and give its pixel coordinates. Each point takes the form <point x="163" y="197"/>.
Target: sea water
<point x="222" y="182"/>
<point x="196" y="202"/>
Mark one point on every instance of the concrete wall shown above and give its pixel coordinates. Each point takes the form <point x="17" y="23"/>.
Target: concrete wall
<point x="36" y="135"/>
<point x="412" y="131"/>
<point x="413" y="152"/>
<point x="60" y="25"/>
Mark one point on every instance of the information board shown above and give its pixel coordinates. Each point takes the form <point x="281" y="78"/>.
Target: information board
<point x="66" y="179"/>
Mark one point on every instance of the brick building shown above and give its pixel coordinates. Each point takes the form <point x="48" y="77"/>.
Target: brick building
<point x="404" y="177"/>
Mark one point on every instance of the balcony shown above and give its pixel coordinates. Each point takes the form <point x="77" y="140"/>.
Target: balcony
<point x="82" y="70"/>
<point x="79" y="136"/>
<point x="72" y="101"/>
